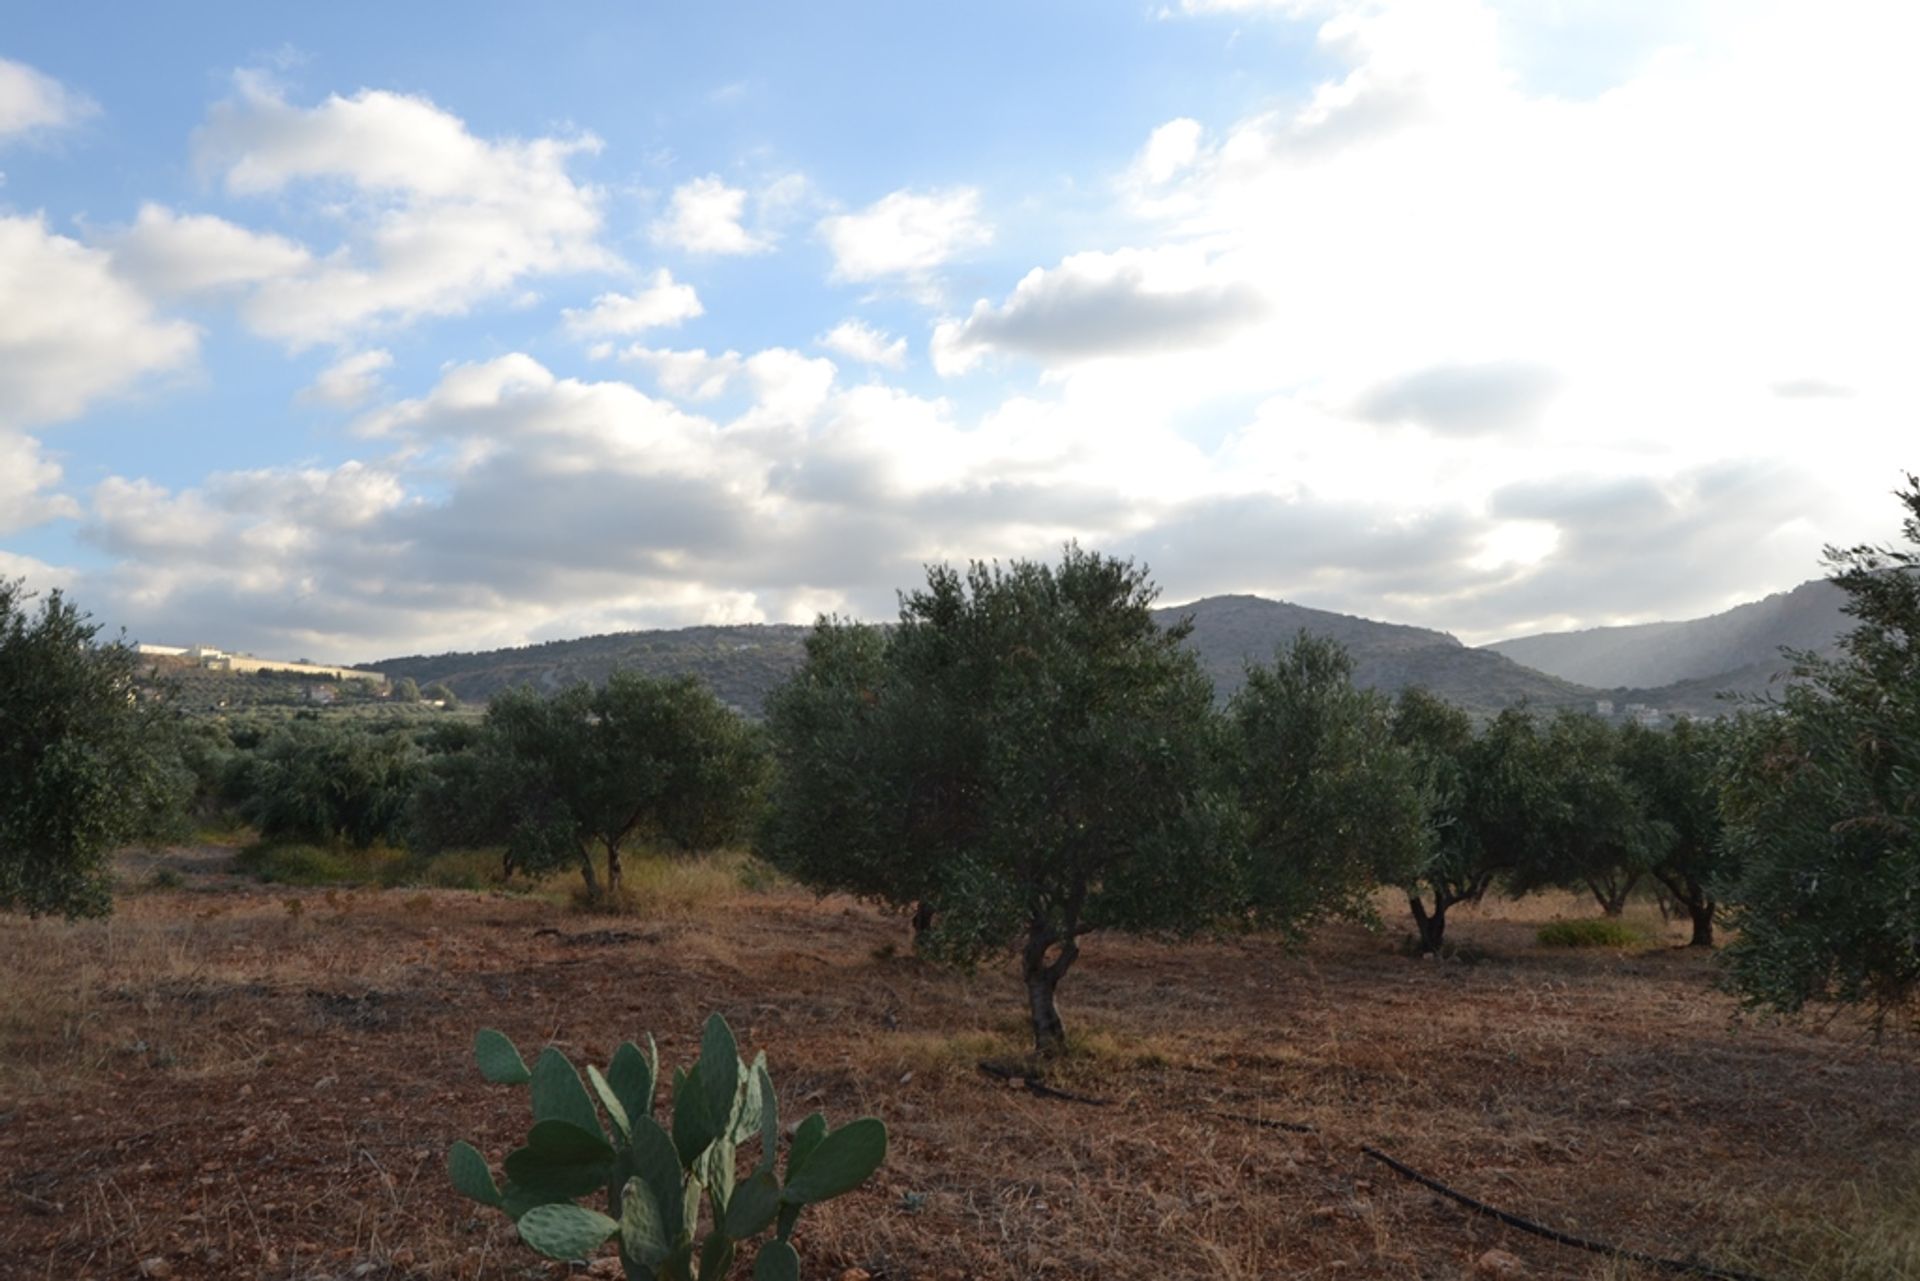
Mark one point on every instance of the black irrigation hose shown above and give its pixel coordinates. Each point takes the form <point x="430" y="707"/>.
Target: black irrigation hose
<point x="1692" y="1267"/>
<point x="1291" y="1127"/>
<point x="1038" y="1087"/>
<point x="1558" y="1238"/>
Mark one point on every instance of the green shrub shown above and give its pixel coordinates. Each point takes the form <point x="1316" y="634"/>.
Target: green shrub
<point x="653" y="1176"/>
<point x="1600" y="932"/>
<point x="313" y="865"/>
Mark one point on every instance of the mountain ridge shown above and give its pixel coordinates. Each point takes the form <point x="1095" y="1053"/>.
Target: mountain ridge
<point x="743" y="663"/>
<point x="1807" y="617"/>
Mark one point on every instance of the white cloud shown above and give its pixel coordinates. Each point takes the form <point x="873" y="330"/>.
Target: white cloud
<point x="71" y="331"/>
<point x="703" y="217"/>
<point x="661" y="304"/>
<point x="39" y="576"/>
<point x="32" y="101"/>
<point x="857" y="340"/>
<point x="1094" y="305"/>
<point x="690" y="375"/>
<point x="349" y="382"/>
<point x="435" y="219"/>
<point x="906" y="234"/>
<point x="27" y="478"/>
<point x="178" y="254"/>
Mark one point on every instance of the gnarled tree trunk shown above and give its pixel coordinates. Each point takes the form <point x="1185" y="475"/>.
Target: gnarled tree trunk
<point x="1611" y="892"/>
<point x="1702" y="916"/>
<point x="613" y="872"/>
<point x="1432" y="925"/>
<point x="1042" y="976"/>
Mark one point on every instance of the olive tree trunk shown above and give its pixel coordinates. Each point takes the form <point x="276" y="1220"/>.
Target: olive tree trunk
<point x="1042" y="976"/>
<point x="1702" y="916"/>
<point x="1432" y="925"/>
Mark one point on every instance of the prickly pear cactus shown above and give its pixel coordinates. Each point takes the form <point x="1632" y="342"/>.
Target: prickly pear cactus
<point x="654" y="1177"/>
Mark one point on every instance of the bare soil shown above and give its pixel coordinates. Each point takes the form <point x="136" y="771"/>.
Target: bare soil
<point x="231" y="1080"/>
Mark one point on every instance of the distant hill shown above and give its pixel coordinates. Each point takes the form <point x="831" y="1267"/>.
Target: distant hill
<point x="1230" y="631"/>
<point x="1743" y="642"/>
<point x="743" y="664"/>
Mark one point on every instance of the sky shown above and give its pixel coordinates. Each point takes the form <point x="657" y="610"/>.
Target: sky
<point x="349" y="331"/>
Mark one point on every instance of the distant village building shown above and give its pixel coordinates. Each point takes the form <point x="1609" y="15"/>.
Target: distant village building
<point x="219" y="660"/>
<point x="1603" y="707"/>
<point x="322" y="694"/>
<point x="1641" y="714"/>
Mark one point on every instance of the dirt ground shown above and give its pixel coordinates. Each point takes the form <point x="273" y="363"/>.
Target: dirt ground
<point x="235" y="1080"/>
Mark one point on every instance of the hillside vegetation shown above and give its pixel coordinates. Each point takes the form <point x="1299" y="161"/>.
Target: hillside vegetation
<point x="1740" y="645"/>
<point x="743" y="664"/>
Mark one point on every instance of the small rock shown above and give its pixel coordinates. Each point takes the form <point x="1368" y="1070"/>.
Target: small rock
<point x="607" y="1267"/>
<point x="1500" y="1265"/>
<point x="155" y="1268"/>
<point x="856" y="1274"/>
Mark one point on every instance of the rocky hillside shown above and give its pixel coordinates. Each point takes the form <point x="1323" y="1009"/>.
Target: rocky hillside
<point x="743" y="664"/>
<point x="1230" y="631"/>
<point x="1745" y="640"/>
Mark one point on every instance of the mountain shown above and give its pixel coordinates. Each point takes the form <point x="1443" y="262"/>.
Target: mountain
<point x="1230" y="631"/>
<point x="1742" y="642"/>
<point x="743" y="664"/>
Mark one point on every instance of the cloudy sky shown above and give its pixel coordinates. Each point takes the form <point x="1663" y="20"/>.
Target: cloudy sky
<point x="349" y="330"/>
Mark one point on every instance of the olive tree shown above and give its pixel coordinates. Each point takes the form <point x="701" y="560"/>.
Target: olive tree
<point x="1453" y="865"/>
<point x="318" y="781"/>
<point x="562" y="780"/>
<point x="1677" y="774"/>
<point x="1333" y="803"/>
<point x="1026" y="753"/>
<point x="85" y="764"/>
<point x="1822" y="804"/>
<point x="1595" y="832"/>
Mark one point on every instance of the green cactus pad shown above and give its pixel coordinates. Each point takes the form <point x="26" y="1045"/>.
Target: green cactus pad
<point x="610" y="1100"/>
<point x="565" y="1231"/>
<point x="632" y="1076"/>
<point x="643" y="1229"/>
<point x="753" y="1205"/>
<point x="561" y="1159"/>
<point x="694" y="1128"/>
<point x="769" y="1117"/>
<point x="559" y="1094"/>
<point x="716" y="1257"/>
<point x="840" y="1163"/>
<point x="776" y="1262"/>
<point x="499" y="1061"/>
<point x="470" y="1175"/>
<point x="806" y="1137"/>
<point x="656" y="1164"/>
<point x="719" y="1072"/>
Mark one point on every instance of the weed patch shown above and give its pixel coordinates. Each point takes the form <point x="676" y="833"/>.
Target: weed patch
<point x="1604" y="932"/>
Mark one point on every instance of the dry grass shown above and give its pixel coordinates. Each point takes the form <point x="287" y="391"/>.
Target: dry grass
<point x="303" y="1072"/>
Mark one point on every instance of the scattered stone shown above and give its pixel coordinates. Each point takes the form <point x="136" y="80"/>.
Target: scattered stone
<point x="1499" y="1265"/>
<point x="155" y="1269"/>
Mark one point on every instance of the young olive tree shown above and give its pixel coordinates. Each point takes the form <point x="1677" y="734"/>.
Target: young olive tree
<point x="332" y="783"/>
<point x="560" y="779"/>
<point x="1026" y="752"/>
<point x="1454" y="865"/>
<point x="1593" y="830"/>
<point x="84" y="763"/>
<point x="1333" y="803"/>
<point x="1677" y="773"/>
<point x="1822" y="804"/>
